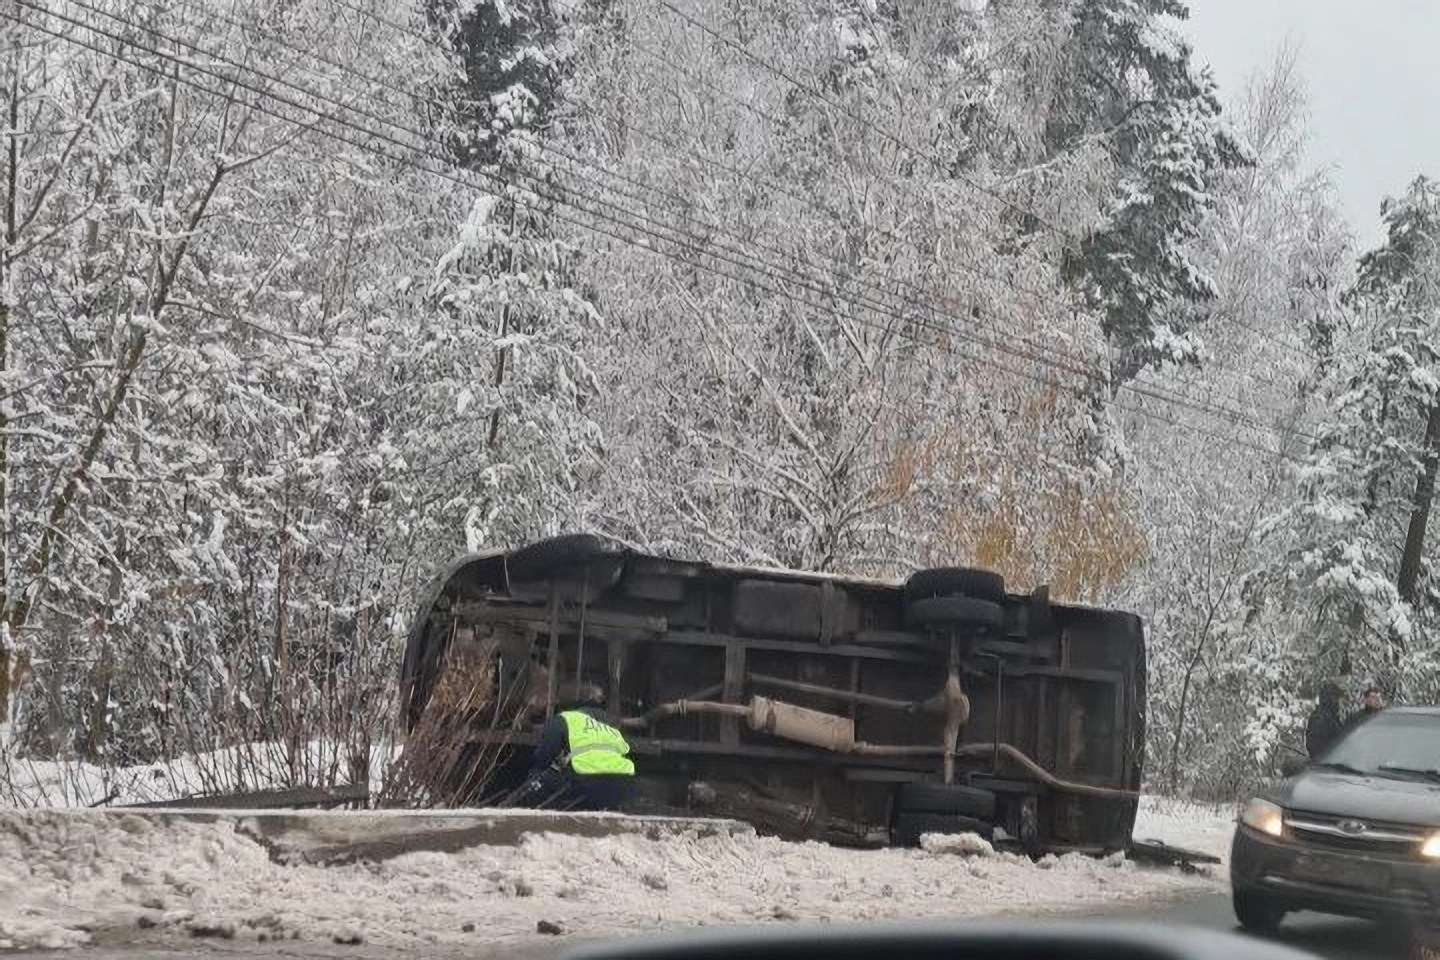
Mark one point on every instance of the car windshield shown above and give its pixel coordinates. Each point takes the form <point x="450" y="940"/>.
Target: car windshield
<point x="1395" y="745"/>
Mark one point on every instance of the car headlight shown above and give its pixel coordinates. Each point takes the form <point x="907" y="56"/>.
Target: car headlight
<point x="1431" y="846"/>
<point x="1269" y="819"/>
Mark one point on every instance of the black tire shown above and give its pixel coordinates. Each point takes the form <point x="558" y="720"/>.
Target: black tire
<point x="910" y="827"/>
<point x="549" y="558"/>
<point x="955" y="582"/>
<point x="1257" y="912"/>
<point x="961" y="612"/>
<point x="951" y="799"/>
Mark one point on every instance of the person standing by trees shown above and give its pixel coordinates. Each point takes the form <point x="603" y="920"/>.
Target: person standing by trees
<point x="1372" y="702"/>
<point x="1325" y="723"/>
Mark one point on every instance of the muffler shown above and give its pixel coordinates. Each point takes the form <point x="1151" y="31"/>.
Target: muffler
<point x="802" y="725"/>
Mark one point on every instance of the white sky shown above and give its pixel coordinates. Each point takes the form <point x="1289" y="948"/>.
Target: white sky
<point x="1373" y="72"/>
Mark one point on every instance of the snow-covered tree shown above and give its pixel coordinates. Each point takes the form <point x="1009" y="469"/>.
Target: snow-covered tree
<point x="1129" y="81"/>
<point x="1278" y="257"/>
<point x="190" y="269"/>
<point x="1358" y="570"/>
<point x="781" y="419"/>
<point x="513" y="66"/>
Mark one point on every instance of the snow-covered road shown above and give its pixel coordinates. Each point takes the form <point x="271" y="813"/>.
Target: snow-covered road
<point x="71" y="878"/>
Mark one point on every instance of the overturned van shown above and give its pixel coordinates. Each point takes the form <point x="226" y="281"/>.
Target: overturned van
<point x="843" y="709"/>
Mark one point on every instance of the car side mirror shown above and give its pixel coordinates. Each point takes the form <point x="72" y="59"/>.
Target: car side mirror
<point x="1293" y="765"/>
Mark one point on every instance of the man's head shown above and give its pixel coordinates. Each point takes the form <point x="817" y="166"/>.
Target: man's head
<point x="1374" y="697"/>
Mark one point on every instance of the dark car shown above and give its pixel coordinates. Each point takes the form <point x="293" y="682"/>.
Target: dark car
<point x="1356" y="833"/>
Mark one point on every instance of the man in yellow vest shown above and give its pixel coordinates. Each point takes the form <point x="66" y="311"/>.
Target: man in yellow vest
<point x="581" y="761"/>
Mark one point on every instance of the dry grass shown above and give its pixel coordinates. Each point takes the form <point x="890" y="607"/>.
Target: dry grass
<point x="441" y="764"/>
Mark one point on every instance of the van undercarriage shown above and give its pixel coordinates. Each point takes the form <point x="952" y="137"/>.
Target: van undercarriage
<point x="842" y="709"/>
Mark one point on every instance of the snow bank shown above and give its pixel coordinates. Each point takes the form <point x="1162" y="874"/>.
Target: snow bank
<point x="68" y="876"/>
<point x="1194" y="826"/>
<point x="260" y="766"/>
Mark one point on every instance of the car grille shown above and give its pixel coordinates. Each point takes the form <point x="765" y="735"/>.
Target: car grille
<point x="1411" y="896"/>
<point x="1355" y="834"/>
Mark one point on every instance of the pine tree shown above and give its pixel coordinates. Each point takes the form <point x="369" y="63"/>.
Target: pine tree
<point x="1129" y="81"/>
<point x="513" y="68"/>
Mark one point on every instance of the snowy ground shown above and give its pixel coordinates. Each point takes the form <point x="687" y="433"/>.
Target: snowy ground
<point x="258" y="766"/>
<point x="1201" y="827"/>
<point x="76" y="877"/>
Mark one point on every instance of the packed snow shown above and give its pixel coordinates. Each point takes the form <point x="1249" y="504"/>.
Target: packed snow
<point x="67" y="877"/>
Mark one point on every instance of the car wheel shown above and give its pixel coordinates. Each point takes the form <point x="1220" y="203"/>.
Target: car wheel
<point x="947" y="798"/>
<point x="1257" y="912"/>
<point x="955" y="612"/>
<point x="955" y="582"/>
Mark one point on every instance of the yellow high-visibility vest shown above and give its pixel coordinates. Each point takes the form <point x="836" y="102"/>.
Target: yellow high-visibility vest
<point x="596" y="747"/>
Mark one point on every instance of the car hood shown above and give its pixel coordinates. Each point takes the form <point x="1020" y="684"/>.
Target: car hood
<point x="1369" y="798"/>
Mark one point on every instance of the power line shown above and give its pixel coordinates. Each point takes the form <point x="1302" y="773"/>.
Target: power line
<point x="750" y="107"/>
<point x="592" y="227"/>
<point x="804" y="280"/>
<point x="1165" y="393"/>
<point x="387" y="86"/>
<point x="681" y="200"/>
<point x="795" y="277"/>
<point x="265" y="95"/>
<point x="1153" y="390"/>
<point x="800" y="84"/>
<point x="883" y="131"/>
<point x="747" y="176"/>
